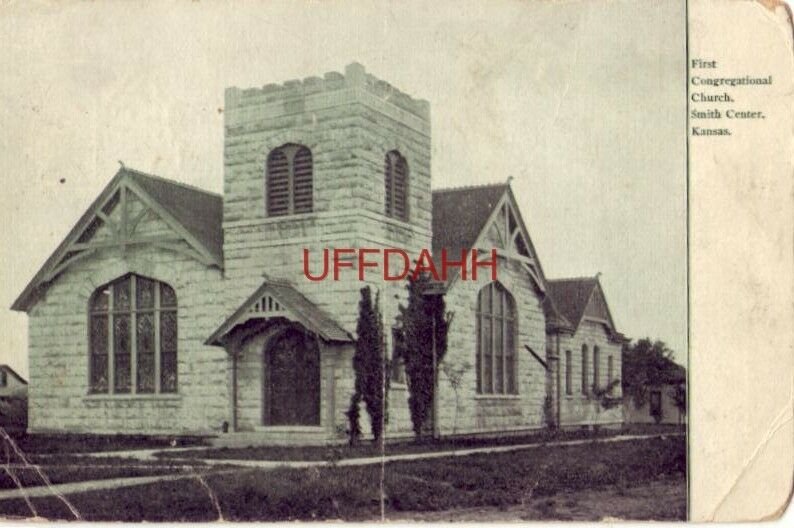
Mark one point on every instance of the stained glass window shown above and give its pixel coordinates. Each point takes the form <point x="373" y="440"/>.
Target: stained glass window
<point x="496" y="344"/>
<point x="144" y="293"/>
<point x="121" y="294"/>
<point x="125" y="319"/>
<point x="168" y="341"/>
<point x="146" y="351"/>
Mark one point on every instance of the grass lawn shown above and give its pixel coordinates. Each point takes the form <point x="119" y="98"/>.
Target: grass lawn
<point x="93" y="469"/>
<point x="490" y="481"/>
<point x="367" y="449"/>
<point x="88" y="443"/>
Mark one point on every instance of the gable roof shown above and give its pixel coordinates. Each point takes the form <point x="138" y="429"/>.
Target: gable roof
<point x="286" y="302"/>
<point x="13" y="373"/>
<point x="572" y="296"/>
<point x="199" y="213"/>
<point x="460" y="215"/>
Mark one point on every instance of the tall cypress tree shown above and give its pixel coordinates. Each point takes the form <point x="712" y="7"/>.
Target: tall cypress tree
<point x="422" y="315"/>
<point x="368" y="361"/>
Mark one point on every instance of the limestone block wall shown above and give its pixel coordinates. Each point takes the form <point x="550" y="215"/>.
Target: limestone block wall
<point x="491" y="413"/>
<point x="577" y="408"/>
<point x="399" y="415"/>
<point x="58" y="351"/>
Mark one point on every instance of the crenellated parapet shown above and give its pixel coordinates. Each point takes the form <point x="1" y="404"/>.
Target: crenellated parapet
<point x="354" y="79"/>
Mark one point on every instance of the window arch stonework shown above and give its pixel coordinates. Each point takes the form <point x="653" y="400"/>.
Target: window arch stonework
<point x="132" y="326"/>
<point x="496" y="341"/>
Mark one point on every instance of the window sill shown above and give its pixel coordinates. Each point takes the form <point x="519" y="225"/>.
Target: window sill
<point x="129" y="397"/>
<point x="497" y="397"/>
<point x="287" y="217"/>
<point x="398" y="386"/>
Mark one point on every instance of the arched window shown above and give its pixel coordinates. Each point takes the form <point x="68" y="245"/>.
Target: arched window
<point x="496" y="331"/>
<point x="133" y="337"/>
<point x="289" y="186"/>
<point x="396" y="177"/>
<point x="585" y="368"/>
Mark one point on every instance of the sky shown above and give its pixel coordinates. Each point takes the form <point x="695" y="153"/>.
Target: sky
<point x="583" y="103"/>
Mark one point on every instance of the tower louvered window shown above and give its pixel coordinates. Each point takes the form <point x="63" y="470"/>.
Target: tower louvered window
<point x="396" y="177"/>
<point x="289" y="185"/>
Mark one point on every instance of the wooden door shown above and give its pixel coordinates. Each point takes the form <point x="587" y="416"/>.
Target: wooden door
<point x="292" y="380"/>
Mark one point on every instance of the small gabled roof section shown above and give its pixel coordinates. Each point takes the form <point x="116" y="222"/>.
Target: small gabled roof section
<point x="580" y="298"/>
<point x="11" y="371"/>
<point x="193" y="215"/>
<point x="277" y="298"/>
<point x="484" y="216"/>
<point x="460" y="215"/>
<point x="200" y="212"/>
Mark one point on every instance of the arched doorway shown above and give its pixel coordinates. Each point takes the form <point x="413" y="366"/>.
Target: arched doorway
<point x="292" y="379"/>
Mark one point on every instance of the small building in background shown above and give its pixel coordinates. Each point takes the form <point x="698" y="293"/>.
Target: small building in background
<point x="13" y="400"/>
<point x="665" y="401"/>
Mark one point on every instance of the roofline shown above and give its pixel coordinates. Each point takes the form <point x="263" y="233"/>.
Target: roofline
<point x="617" y="336"/>
<point x="172" y="182"/>
<point x="216" y="338"/>
<point x="8" y="368"/>
<point x="572" y="279"/>
<point x="468" y="187"/>
<point x="25" y="299"/>
<point x="523" y="225"/>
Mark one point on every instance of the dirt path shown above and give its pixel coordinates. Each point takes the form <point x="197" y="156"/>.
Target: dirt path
<point x="660" y="501"/>
<point x="364" y="461"/>
<point x="68" y="488"/>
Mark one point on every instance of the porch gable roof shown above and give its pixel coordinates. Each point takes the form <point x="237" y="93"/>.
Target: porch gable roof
<point x="277" y="298"/>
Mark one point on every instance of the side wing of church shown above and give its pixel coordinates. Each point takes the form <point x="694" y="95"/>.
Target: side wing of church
<point x="171" y="310"/>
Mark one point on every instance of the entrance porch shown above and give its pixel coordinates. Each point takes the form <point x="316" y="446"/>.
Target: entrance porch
<point x="288" y="371"/>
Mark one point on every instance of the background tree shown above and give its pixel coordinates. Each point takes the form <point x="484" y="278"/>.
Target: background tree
<point x="645" y="364"/>
<point x="423" y="321"/>
<point x="605" y="398"/>
<point x="368" y="363"/>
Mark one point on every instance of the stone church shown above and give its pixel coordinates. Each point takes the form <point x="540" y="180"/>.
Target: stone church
<point x="172" y="310"/>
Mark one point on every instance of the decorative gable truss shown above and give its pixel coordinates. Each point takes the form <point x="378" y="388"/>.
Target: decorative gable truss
<point x="276" y="300"/>
<point x="123" y="216"/>
<point x="505" y="231"/>
<point x="597" y="310"/>
<point x="129" y="217"/>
